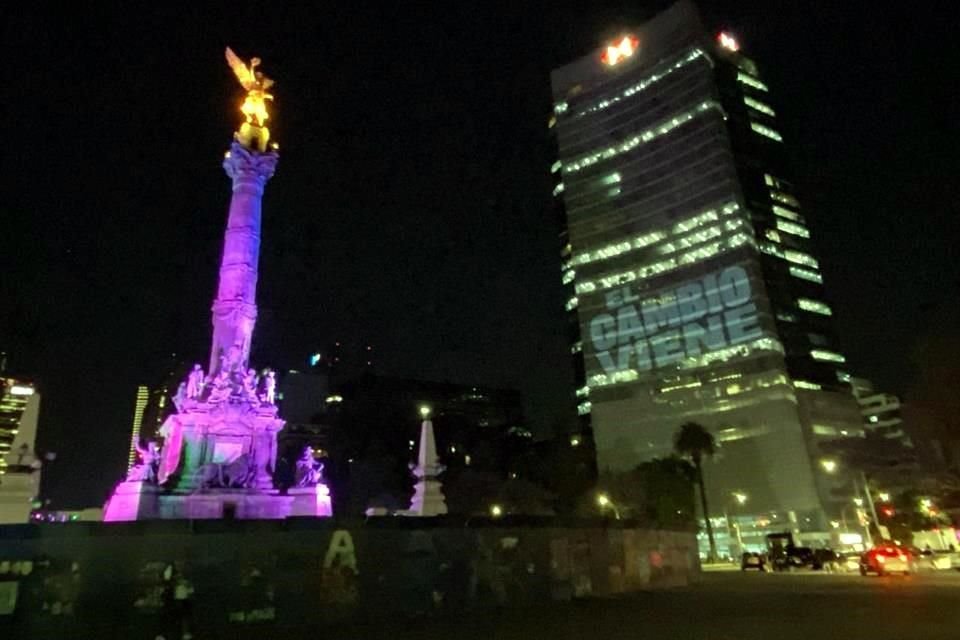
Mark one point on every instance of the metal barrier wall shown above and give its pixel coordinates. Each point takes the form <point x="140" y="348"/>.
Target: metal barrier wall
<point x="138" y="579"/>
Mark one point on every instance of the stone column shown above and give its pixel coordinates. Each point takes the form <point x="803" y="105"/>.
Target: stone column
<point x="235" y="307"/>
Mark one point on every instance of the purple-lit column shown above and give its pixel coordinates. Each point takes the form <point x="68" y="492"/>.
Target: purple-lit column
<point x="235" y="307"/>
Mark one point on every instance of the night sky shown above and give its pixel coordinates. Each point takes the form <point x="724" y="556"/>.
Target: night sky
<point x="411" y="208"/>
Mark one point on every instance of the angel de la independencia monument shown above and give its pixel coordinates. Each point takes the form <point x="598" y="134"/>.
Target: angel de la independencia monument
<point x="219" y="448"/>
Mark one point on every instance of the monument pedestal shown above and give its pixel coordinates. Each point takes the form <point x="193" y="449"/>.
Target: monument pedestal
<point x="143" y="501"/>
<point x="132" y="500"/>
<point x="239" y="504"/>
<point x="204" y="435"/>
<point x="246" y="504"/>
<point x="427" y="499"/>
<point x="311" y="501"/>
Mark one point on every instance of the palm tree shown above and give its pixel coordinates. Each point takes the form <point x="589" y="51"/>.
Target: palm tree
<point x="694" y="441"/>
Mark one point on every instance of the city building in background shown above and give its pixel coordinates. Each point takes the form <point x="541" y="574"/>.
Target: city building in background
<point x="695" y="293"/>
<point x="465" y="417"/>
<point x="881" y="411"/>
<point x="371" y="425"/>
<point x="305" y="395"/>
<point x="143" y="395"/>
<point x="153" y="404"/>
<point x="19" y="465"/>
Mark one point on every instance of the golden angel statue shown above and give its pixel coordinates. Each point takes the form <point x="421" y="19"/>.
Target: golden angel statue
<point x="253" y="133"/>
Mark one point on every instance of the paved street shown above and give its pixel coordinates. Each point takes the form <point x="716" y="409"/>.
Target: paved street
<point x="732" y="606"/>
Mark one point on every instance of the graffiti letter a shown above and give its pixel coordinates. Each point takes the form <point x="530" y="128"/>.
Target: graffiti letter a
<point x="340" y="553"/>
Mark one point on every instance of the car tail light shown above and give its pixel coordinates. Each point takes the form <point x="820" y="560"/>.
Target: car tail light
<point x="881" y="559"/>
<point x="903" y="557"/>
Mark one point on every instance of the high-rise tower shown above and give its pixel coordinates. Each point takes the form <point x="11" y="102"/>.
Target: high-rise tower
<point x="694" y="291"/>
<point x="19" y="465"/>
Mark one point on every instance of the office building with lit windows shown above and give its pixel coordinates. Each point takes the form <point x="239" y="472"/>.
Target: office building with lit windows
<point x="140" y="404"/>
<point x="881" y="411"/>
<point x="694" y="290"/>
<point x="19" y="465"/>
<point x="152" y="404"/>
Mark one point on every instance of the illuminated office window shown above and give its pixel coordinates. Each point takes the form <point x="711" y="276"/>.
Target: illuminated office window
<point x="786" y="213"/>
<point x="756" y="105"/>
<point x="750" y="81"/>
<point x="793" y="229"/>
<point x="806" y="274"/>
<point x="785" y="198"/>
<point x="826" y="356"/>
<point x="796" y="257"/>
<point x="612" y="178"/>
<point x="814" y="306"/>
<point x="662" y="129"/>
<point x="694" y="54"/>
<point x="766" y="131"/>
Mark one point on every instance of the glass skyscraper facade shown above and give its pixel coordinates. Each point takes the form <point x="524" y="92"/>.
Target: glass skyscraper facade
<point x="19" y="466"/>
<point x="694" y="290"/>
<point x="19" y="408"/>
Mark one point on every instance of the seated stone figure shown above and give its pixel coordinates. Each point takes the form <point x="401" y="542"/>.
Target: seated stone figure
<point x="230" y="475"/>
<point x="309" y="472"/>
<point x="146" y="469"/>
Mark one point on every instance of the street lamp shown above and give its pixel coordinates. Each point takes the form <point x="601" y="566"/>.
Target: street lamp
<point x="496" y="510"/>
<point x="424" y="411"/>
<point x="858" y="502"/>
<point x="604" y="501"/>
<point x="830" y="466"/>
<point x="884" y="496"/>
<point x="741" y="499"/>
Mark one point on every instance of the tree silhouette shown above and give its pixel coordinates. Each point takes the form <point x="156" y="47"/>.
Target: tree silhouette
<point x="694" y="441"/>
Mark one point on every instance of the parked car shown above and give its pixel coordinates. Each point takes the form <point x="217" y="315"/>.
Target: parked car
<point x="827" y="560"/>
<point x="756" y="561"/>
<point x="784" y="555"/>
<point x="885" y="559"/>
<point x="850" y="562"/>
<point x="930" y="560"/>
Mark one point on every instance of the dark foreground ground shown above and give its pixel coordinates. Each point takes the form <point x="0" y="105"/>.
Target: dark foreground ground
<point x="724" y="606"/>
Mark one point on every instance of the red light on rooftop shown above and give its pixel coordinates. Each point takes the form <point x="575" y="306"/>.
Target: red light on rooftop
<point x="618" y="51"/>
<point x="727" y="41"/>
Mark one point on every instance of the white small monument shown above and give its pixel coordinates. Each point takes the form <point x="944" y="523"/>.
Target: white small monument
<point x="428" y="497"/>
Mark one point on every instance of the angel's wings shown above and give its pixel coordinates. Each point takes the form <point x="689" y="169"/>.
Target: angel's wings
<point x="244" y="73"/>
